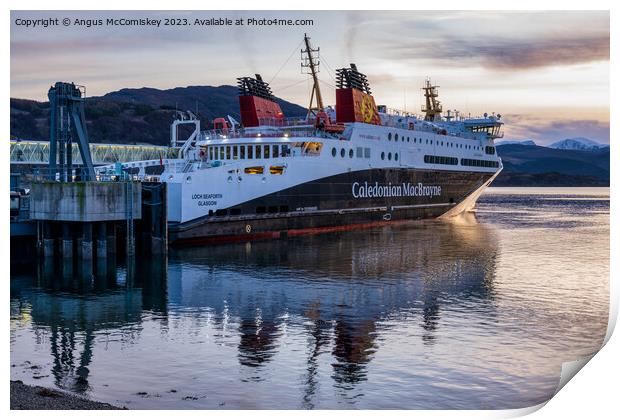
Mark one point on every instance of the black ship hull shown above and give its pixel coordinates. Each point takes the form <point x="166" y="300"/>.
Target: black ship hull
<point x="350" y="200"/>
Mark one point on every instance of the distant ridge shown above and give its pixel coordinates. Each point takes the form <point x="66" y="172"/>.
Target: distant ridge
<point x="137" y="116"/>
<point x="578" y="143"/>
<point x="543" y="166"/>
<point x="521" y="142"/>
<point x="210" y="101"/>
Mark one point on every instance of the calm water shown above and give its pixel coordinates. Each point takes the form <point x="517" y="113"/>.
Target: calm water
<point x="478" y="312"/>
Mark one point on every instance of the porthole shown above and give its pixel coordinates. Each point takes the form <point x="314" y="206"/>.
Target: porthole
<point x="396" y="157"/>
<point x="334" y="151"/>
<point x="382" y="155"/>
<point x="351" y="153"/>
<point x="396" y="137"/>
<point x="342" y="152"/>
<point x="188" y="179"/>
<point x="390" y="156"/>
<point x="389" y="136"/>
<point x="408" y="139"/>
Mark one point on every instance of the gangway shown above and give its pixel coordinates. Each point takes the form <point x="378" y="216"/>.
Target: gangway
<point x="37" y="152"/>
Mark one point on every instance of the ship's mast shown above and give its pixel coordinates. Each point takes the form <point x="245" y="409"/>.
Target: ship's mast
<point x="310" y="61"/>
<point x="432" y="109"/>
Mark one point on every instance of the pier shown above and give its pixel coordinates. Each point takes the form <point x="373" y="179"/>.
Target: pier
<point x="63" y="212"/>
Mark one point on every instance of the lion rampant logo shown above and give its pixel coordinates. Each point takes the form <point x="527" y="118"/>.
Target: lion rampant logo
<point x="367" y="109"/>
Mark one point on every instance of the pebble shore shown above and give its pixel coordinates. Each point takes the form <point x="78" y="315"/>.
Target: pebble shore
<point x="26" y="397"/>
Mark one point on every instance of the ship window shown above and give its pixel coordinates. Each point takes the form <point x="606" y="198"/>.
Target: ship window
<point x="359" y="152"/>
<point x="276" y="170"/>
<point x="272" y="209"/>
<point x="396" y="137"/>
<point x="408" y="139"/>
<point x="390" y="156"/>
<point x="227" y="152"/>
<point x="426" y="141"/>
<point x="257" y="148"/>
<point x="250" y="150"/>
<point x="235" y="212"/>
<point x="382" y="155"/>
<point x="389" y="136"/>
<point x="260" y="209"/>
<point x="342" y="152"/>
<point x="367" y="152"/>
<point x="334" y="152"/>
<point x="286" y="150"/>
<point x="396" y="156"/>
<point x="241" y="152"/>
<point x="284" y="209"/>
<point x="221" y="212"/>
<point x="441" y="160"/>
<point x="266" y="151"/>
<point x="254" y="170"/>
<point x="276" y="150"/>
<point x="480" y="163"/>
<point x="351" y="153"/>
<point x="235" y="154"/>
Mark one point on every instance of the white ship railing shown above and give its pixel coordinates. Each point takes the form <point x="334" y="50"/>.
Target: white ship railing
<point x="263" y="132"/>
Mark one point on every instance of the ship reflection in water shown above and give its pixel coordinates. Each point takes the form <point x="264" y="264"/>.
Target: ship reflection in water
<point x="410" y="316"/>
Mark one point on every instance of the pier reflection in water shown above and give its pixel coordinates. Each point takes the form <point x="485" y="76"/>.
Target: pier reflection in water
<point x="398" y="317"/>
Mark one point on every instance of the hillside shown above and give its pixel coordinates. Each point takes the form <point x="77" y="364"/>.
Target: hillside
<point x="134" y="116"/>
<point x="543" y="166"/>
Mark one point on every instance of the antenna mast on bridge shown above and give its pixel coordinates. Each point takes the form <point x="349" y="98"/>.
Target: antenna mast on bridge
<point x="310" y="61"/>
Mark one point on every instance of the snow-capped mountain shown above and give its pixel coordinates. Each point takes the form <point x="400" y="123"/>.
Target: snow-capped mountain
<point x="520" y="142"/>
<point x="578" y="143"/>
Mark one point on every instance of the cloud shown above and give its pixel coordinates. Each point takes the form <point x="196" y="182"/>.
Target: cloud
<point x="507" y="54"/>
<point x="498" y="41"/>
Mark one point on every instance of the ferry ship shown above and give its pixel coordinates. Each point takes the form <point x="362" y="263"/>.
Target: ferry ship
<point x="355" y="165"/>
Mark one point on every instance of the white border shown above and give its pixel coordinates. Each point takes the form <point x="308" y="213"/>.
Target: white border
<point x="592" y="394"/>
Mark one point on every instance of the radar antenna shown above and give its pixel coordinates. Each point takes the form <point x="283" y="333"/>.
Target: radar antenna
<point x="310" y="63"/>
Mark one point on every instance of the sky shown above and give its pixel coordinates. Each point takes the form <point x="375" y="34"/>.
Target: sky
<point x="545" y="72"/>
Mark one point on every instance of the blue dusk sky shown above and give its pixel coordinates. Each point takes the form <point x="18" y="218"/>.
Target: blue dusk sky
<point x="547" y="73"/>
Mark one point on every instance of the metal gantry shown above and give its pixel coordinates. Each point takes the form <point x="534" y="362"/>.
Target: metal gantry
<point x="67" y="120"/>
